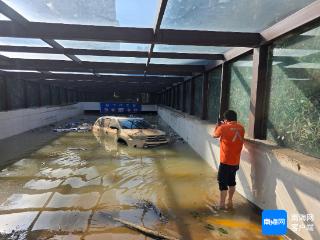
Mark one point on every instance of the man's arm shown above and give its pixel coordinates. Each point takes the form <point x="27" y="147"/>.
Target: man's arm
<point x="217" y="131"/>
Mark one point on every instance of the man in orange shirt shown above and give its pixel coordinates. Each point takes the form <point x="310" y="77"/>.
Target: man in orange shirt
<point x="231" y="134"/>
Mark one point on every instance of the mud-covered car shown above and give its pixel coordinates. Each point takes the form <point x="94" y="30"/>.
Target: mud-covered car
<point x="134" y="132"/>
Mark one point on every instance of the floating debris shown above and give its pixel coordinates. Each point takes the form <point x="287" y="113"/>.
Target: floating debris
<point x="147" y="205"/>
<point x="195" y="214"/>
<point x="146" y="231"/>
<point x="74" y="127"/>
<point x="77" y="149"/>
<point x="222" y="230"/>
<point x="210" y="227"/>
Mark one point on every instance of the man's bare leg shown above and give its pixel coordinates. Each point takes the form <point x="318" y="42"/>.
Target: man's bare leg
<point x="231" y="191"/>
<point x="223" y="196"/>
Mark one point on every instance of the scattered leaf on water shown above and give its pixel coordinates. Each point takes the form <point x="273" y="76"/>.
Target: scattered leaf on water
<point x="222" y="230"/>
<point x="209" y="227"/>
<point x="195" y="214"/>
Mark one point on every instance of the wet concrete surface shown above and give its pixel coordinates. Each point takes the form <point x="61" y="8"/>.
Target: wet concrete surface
<point x="74" y="187"/>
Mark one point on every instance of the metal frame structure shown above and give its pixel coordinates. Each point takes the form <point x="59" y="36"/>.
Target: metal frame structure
<point x="301" y="20"/>
<point x="163" y="82"/>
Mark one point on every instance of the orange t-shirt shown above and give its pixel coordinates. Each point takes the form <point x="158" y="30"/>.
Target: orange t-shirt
<point x="231" y="142"/>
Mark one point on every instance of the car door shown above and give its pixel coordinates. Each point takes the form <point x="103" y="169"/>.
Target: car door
<point x="106" y="124"/>
<point x="112" y="130"/>
<point x="97" y="125"/>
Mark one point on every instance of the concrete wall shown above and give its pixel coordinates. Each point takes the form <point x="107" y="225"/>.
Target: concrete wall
<point x="18" y="121"/>
<point x="270" y="177"/>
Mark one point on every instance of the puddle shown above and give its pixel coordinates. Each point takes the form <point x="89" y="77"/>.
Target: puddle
<point x="61" y="192"/>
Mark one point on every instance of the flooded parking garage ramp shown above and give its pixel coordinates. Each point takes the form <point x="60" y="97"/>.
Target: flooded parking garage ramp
<point x="82" y="186"/>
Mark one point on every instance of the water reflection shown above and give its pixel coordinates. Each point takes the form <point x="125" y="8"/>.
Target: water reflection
<point x="60" y="192"/>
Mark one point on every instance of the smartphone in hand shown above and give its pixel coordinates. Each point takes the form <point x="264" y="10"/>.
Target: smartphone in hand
<point x="219" y="121"/>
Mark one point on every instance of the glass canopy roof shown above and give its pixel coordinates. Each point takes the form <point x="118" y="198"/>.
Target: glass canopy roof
<point x="24" y="71"/>
<point x="104" y="45"/>
<point x="189" y="49"/>
<point x="305" y="65"/>
<point x="3" y="18"/>
<point x="287" y="52"/>
<point x="27" y="42"/>
<point x="228" y="15"/>
<point x="179" y="61"/>
<point x="124" y="13"/>
<point x="90" y="58"/>
<point x="84" y="73"/>
<point x="41" y="56"/>
<point x="120" y="74"/>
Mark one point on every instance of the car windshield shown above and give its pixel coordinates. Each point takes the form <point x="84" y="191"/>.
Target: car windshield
<point x="134" y="124"/>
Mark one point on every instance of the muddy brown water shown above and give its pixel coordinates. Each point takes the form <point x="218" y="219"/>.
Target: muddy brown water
<point x="73" y="187"/>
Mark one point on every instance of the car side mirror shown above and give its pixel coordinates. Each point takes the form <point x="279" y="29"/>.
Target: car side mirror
<point x="114" y="127"/>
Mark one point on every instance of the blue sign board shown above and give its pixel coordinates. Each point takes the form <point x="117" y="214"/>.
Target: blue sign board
<point x="113" y="108"/>
<point x="274" y="222"/>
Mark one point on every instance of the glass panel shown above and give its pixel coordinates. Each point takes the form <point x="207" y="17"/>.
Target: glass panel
<point x="164" y="76"/>
<point x="133" y="13"/>
<point x="111" y="59"/>
<point x="240" y="88"/>
<point x="27" y="42"/>
<point x="3" y="18"/>
<point x="228" y="15"/>
<point x="198" y="96"/>
<point x="105" y="45"/>
<point x="42" y="56"/>
<point x="179" y="61"/>
<point x="214" y="94"/>
<point x="26" y="71"/>
<point x="119" y="74"/>
<point x="189" y="49"/>
<point x="85" y="73"/>
<point x="294" y="104"/>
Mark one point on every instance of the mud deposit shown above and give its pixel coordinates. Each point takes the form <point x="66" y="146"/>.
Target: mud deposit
<point x="76" y="186"/>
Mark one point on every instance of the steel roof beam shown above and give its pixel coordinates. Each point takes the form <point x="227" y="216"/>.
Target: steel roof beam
<point x="125" y="34"/>
<point x="95" y="52"/>
<point x="61" y="64"/>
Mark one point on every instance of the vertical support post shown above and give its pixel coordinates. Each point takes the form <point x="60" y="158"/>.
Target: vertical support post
<point x="59" y="94"/>
<point x="171" y="97"/>
<point x="205" y="86"/>
<point x="39" y="95"/>
<point x="50" y="95"/>
<point x="257" y="123"/>
<point x="178" y="97"/>
<point x="162" y="98"/>
<point x="66" y="93"/>
<point x="192" y="95"/>
<point x="77" y="95"/>
<point x="7" y="103"/>
<point x="168" y="98"/>
<point x="184" y="94"/>
<point x="225" y="86"/>
<point x="173" y="93"/>
<point x="25" y="94"/>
